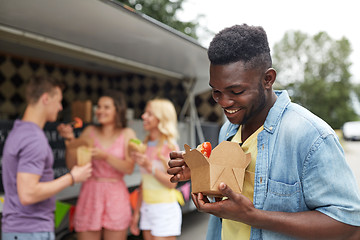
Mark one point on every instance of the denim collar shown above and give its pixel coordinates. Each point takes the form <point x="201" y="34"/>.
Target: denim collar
<point x="275" y="113"/>
<point x="273" y="118"/>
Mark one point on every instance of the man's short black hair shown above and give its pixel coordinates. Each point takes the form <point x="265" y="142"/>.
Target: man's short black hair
<point x="244" y="43"/>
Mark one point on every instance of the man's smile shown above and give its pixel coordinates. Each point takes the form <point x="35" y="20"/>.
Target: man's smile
<point x="231" y="111"/>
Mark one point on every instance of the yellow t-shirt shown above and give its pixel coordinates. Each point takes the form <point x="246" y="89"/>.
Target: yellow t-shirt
<point x="152" y="190"/>
<point x="155" y="192"/>
<point x="233" y="229"/>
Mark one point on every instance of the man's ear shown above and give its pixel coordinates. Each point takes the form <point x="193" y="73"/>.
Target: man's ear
<point x="270" y="76"/>
<point x="44" y="98"/>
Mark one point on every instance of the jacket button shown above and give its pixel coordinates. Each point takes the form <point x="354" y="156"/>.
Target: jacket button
<point x="260" y="180"/>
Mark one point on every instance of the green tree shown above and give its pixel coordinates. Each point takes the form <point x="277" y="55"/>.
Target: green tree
<point x="315" y="70"/>
<point x="164" y="11"/>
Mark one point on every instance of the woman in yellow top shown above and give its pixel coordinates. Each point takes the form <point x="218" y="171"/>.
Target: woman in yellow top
<point x="158" y="209"/>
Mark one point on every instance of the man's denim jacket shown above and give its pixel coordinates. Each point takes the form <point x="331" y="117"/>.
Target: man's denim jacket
<point x="300" y="166"/>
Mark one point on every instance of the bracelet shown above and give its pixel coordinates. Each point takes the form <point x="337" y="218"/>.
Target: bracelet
<point x="153" y="168"/>
<point x="72" y="179"/>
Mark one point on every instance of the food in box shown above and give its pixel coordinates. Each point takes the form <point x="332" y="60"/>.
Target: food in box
<point x="227" y="163"/>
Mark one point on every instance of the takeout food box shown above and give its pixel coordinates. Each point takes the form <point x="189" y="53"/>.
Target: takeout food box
<point x="227" y="163"/>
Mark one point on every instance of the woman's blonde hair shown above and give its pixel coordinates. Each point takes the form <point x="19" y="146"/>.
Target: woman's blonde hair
<point x="164" y="111"/>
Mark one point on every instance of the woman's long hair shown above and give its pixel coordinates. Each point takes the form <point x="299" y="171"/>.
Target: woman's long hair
<point x="120" y="106"/>
<point x="165" y="112"/>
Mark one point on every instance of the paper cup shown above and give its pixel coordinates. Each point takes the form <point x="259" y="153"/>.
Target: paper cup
<point x="83" y="155"/>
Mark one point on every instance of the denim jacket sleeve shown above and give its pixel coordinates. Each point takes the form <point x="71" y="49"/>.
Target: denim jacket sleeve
<point x="301" y="166"/>
<point x="329" y="185"/>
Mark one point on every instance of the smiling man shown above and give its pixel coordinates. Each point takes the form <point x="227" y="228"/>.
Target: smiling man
<point x="27" y="166"/>
<point x="298" y="184"/>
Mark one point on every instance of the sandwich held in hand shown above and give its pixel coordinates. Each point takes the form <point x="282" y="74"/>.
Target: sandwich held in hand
<point x="136" y="145"/>
<point x="205" y="149"/>
<point x="77" y="123"/>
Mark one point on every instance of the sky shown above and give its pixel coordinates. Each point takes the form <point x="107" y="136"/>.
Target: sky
<point x="337" y="18"/>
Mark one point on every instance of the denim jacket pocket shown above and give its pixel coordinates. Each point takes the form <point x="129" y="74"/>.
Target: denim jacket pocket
<point x="282" y="196"/>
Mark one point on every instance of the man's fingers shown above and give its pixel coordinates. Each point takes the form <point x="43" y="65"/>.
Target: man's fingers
<point x="174" y="170"/>
<point x="226" y="191"/>
<point x="176" y="163"/>
<point x="194" y="197"/>
<point x="176" y="154"/>
<point x="175" y="179"/>
<point x="202" y="203"/>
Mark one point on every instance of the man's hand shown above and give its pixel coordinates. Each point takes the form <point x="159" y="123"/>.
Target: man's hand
<point x="236" y="207"/>
<point x="31" y="190"/>
<point x="178" y="167"/>
<point x="82" y="173"/>
<point x="304" y="225"/>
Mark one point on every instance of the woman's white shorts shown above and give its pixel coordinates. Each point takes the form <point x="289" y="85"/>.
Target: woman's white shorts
<point x="162" y="219"/>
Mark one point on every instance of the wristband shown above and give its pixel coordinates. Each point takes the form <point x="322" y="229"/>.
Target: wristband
<point x="72" y="179"/>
